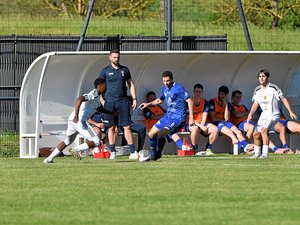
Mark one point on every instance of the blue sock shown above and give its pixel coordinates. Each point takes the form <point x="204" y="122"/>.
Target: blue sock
<point x="285" y="146"/>
<point x="153" y="145"/>
<point x="131" y="148"/>
<point x="274" y="148"/>
<point x="195" y="147"/>
<point x="208" y="145"/>
<point x="160" y="144"/>
<point x="112" y="148"/>
<point x="179" y="143"/>
<point x="244" y="143"/>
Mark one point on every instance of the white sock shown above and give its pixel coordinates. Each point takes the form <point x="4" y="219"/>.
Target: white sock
<point x="257" y="150"/>
<point x="54" y="153"/>
<point x="265" y="150"/>
<point x="82" y="147"/>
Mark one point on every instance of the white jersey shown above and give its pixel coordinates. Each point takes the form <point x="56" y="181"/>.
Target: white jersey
<point x="89" y="107"/>
<point x="268" y="99"/>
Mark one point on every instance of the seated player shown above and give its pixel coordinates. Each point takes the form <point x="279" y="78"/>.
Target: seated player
<point x="200" y="117"/>
<point x="219" y="114"/>
<point x="238" y="116"/>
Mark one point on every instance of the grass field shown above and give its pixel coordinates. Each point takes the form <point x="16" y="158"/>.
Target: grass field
<point x="222" y="189"/>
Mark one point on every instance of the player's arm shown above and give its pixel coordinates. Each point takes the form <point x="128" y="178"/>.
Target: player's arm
<point x="191" y="110"/>
<point x="288" y="107"/>
<point x="132" y="92"/>
<point x="154" y="102"/>
<point x="253" y="109"/>
<point x="93" y="123"/>
<point x="78" y="102"/>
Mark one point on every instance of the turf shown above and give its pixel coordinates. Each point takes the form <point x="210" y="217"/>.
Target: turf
<point x="222" y="189"/>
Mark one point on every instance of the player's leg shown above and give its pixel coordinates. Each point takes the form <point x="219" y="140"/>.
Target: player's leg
<point x="194" y="130"/>
<point x="123" y="107"/>
<point x="71" y="135"/>
<point x="257" y="144"/>
<point x="293" y="126"/>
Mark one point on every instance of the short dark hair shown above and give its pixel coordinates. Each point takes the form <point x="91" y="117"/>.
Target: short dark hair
<point x="236" y="92"/>
<point x="167" y="74"/>
<point x="198" y="86"/>
<point x="99" y="81"/>
<point x="265" y="72"/>
<point x="223" y="89"/>
<point x="114" y="51"/>
<point x="150" y="93"/>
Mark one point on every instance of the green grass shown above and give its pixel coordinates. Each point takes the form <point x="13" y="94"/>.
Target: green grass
<point x="9" y="142"/>
<point x="215" y="190"/>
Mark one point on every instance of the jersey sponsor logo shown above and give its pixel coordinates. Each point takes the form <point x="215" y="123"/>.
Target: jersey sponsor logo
<point x="110" y="74"/>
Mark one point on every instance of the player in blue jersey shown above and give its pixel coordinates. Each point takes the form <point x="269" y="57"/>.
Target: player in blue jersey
<point x="116" y="100"/>
<point x="178" y="102"/>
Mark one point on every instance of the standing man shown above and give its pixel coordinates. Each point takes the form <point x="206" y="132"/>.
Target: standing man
<point x="202" y="126"/>
<point x="178" y="102"/>
<point x="267" y="96"/>
<point x="116" y="100"/>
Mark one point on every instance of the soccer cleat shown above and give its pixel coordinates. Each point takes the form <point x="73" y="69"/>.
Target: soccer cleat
<point x="48" y="161"/>
<point x="255" y="156"/>
<point x="209" y="152"/>
<point x="75" y="153"/>
<point x="263" y="156"/>
<point x="112" y="155"/>
<point x="201" y="153"/>
<point x="134" y="155"/>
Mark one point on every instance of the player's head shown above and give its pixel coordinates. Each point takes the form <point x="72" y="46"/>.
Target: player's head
<point x="263" y="77"/>
<point x="223" y="92"/>
<point x="236" y="97"/>
<point x="114" y="56"/>
<point x="198" y="90"/>
<point x="100" y="85"/>
<point x="151" y="96"/>
<point x="167" y="78"/>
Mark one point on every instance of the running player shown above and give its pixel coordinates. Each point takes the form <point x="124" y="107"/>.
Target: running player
<point x="178" y="102"/>
<point x="77" y="122"/>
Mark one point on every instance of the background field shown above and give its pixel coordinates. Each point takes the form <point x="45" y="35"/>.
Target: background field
<point x="215" y="190"/>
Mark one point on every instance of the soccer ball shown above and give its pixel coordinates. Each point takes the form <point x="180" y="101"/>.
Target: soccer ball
<point x="144" y="155"/>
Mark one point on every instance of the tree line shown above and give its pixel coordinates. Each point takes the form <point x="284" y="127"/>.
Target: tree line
<point x="264" y="13"/>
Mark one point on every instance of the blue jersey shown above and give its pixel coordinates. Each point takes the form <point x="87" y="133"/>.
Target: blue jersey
<point x="116" y="82"/>
<point x="175" y="98"/>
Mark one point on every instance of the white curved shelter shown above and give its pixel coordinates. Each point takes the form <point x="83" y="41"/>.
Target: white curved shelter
<point x="55" y="79"/>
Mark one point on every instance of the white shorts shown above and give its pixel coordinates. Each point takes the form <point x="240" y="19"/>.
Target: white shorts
<point x="86" y="131"/>
<point x="264" y="123"/>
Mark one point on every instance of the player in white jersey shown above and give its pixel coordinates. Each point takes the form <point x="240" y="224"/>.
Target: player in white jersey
<point x="267" y="96"/>
<point x="78" y="121"/>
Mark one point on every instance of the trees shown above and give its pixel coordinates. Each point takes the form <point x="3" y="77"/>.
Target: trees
<point x="107" y="8"/>
<point x="272" y="13"/>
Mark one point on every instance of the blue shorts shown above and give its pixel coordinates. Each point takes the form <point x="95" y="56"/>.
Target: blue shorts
<point x="284" y="122"/>
<point x="222" y="124"/>
<point x="174" y="125"/>
<point x="241" y="125"/>
<point x="121" y="107"/>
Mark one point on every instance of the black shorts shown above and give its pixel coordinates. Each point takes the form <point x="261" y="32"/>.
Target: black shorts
<point x="122" y="107"/>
